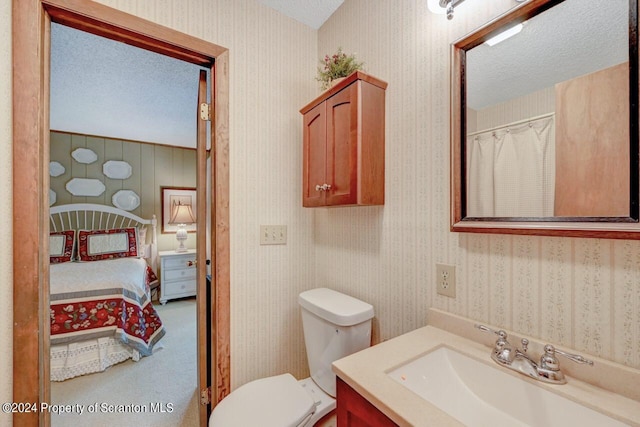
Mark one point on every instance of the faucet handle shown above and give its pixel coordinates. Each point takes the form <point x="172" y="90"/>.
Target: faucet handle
<point x="502" y="334"/>
<point x="503" y="352"/>
<point x="549" y="360"/>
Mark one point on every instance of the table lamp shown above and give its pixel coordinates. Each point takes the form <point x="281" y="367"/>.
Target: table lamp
<point x="181" y="215"/>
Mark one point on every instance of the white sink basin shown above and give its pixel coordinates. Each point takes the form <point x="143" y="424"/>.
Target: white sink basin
<point x="482" y="394"/>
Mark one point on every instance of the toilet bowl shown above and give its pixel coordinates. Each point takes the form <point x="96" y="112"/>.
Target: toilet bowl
<point x="335" y="325"/>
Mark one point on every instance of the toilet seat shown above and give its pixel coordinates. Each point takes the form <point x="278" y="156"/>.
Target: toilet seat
<point x="268" y="402"/>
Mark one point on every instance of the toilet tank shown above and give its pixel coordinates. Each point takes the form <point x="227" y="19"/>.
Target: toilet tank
<point x="335" y="325"/>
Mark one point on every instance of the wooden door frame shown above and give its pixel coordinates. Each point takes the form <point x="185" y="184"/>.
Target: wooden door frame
<point x="30" y="57"/>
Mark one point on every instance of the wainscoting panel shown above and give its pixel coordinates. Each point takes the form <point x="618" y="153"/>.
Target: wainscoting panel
<point x="153" y="166"/>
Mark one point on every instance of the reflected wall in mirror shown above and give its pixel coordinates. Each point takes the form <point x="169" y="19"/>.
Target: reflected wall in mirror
<point x="545" y="121"/>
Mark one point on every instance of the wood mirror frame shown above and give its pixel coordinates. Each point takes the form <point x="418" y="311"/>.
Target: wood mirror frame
<point x="595" y="227"/>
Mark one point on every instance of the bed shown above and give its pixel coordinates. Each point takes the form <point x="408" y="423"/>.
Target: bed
<point x="102" y="264"/>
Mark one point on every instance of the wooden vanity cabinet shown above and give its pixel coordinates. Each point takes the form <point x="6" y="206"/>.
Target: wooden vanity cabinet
<point x="353" y="410"/>
<point x="343" y="153"/>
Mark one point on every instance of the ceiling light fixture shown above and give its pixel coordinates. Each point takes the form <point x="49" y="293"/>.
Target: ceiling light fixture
<point x="440" y="7"/>
<point x="509" y="32"/>
<point x="434" y="7"/>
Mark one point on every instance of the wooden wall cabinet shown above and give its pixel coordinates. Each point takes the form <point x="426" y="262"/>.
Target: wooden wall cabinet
<point x="343" y="154"/>
<point x="353" y="410"/>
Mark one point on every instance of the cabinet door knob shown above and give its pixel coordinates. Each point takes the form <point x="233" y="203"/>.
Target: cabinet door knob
<point x="191" y="263"/>
<point x="326" y="187"/>
<point x="319" y="187"/>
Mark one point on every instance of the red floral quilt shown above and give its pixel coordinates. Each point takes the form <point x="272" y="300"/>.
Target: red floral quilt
<point x="107" y="305"/>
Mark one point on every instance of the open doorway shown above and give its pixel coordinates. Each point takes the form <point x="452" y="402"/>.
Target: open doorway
<point x="124" y="136"/>
<point x="31" y="302"/>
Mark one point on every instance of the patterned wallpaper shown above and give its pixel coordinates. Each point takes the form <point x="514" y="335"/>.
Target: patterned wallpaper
<point x="524" y="107"/>
<point x="6" y="272"/>
<point x="272" y="70"/>
<point x="580" y="293"/>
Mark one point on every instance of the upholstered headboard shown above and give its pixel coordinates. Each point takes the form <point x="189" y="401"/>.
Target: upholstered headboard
<point x="89" y="216"/>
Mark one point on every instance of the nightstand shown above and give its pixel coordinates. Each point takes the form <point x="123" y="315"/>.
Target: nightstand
<point x="177" y="274"/>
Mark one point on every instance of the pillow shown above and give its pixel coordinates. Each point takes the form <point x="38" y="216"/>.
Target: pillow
<point x="96" y="245"/>
<point x="61" y="246"/>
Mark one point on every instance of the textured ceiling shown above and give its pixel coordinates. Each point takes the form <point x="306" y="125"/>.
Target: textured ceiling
<point x="574" y="38"/>
<point x="102" y="87"/>
<point x="310" y="12"/>
<point x="106" y="88"/>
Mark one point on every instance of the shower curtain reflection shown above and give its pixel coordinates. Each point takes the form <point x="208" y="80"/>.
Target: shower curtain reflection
<point x="511" y="170"/>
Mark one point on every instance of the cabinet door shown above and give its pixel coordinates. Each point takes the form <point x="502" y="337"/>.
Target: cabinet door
<point x="315" y="158"/>
<point x="342" y="147"/>
<point x="353" y="410"/>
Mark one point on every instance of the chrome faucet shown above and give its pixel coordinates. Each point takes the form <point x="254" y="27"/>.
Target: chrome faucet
<point x="547" y="370"/>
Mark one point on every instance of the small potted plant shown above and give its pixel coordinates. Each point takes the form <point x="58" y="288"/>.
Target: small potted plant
<point x="336" y="66"/>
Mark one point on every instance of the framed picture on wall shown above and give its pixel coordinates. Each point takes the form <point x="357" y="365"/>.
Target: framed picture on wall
<point x="174" y="196"/>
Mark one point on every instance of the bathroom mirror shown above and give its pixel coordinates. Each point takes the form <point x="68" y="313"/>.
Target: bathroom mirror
<point x="544" y="128"/>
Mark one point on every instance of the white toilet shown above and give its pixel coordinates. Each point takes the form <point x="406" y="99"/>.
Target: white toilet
<point x="335" y="325"/>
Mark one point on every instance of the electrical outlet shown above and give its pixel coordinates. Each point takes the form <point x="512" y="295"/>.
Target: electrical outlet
<point x="273" y="234"/>
<point x="446" y="280"/>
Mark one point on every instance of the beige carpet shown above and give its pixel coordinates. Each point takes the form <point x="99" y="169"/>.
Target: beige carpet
<point x="165" y="381"/>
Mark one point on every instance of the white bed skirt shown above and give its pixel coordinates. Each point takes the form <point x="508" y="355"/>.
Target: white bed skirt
<point x="75" y="359"/>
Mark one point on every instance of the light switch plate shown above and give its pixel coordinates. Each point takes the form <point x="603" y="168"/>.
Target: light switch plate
<point x="273" y="234"/>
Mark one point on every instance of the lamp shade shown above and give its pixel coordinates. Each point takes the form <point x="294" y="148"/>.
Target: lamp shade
<point x="182" y="214"/>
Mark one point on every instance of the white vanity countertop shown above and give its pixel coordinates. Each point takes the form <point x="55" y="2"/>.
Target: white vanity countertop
<point x="366" y="372"/>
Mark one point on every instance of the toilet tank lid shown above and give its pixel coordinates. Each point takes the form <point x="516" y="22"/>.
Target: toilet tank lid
<point x="335" y="307"/>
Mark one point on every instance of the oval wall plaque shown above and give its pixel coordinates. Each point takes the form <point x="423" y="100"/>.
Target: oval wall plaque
<point x="85" y="187"/>
<point x="56" y="169"/>
<point x="84" y="155"/>
<point x="117" y="169"/>
<point x="126" y="200"/>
